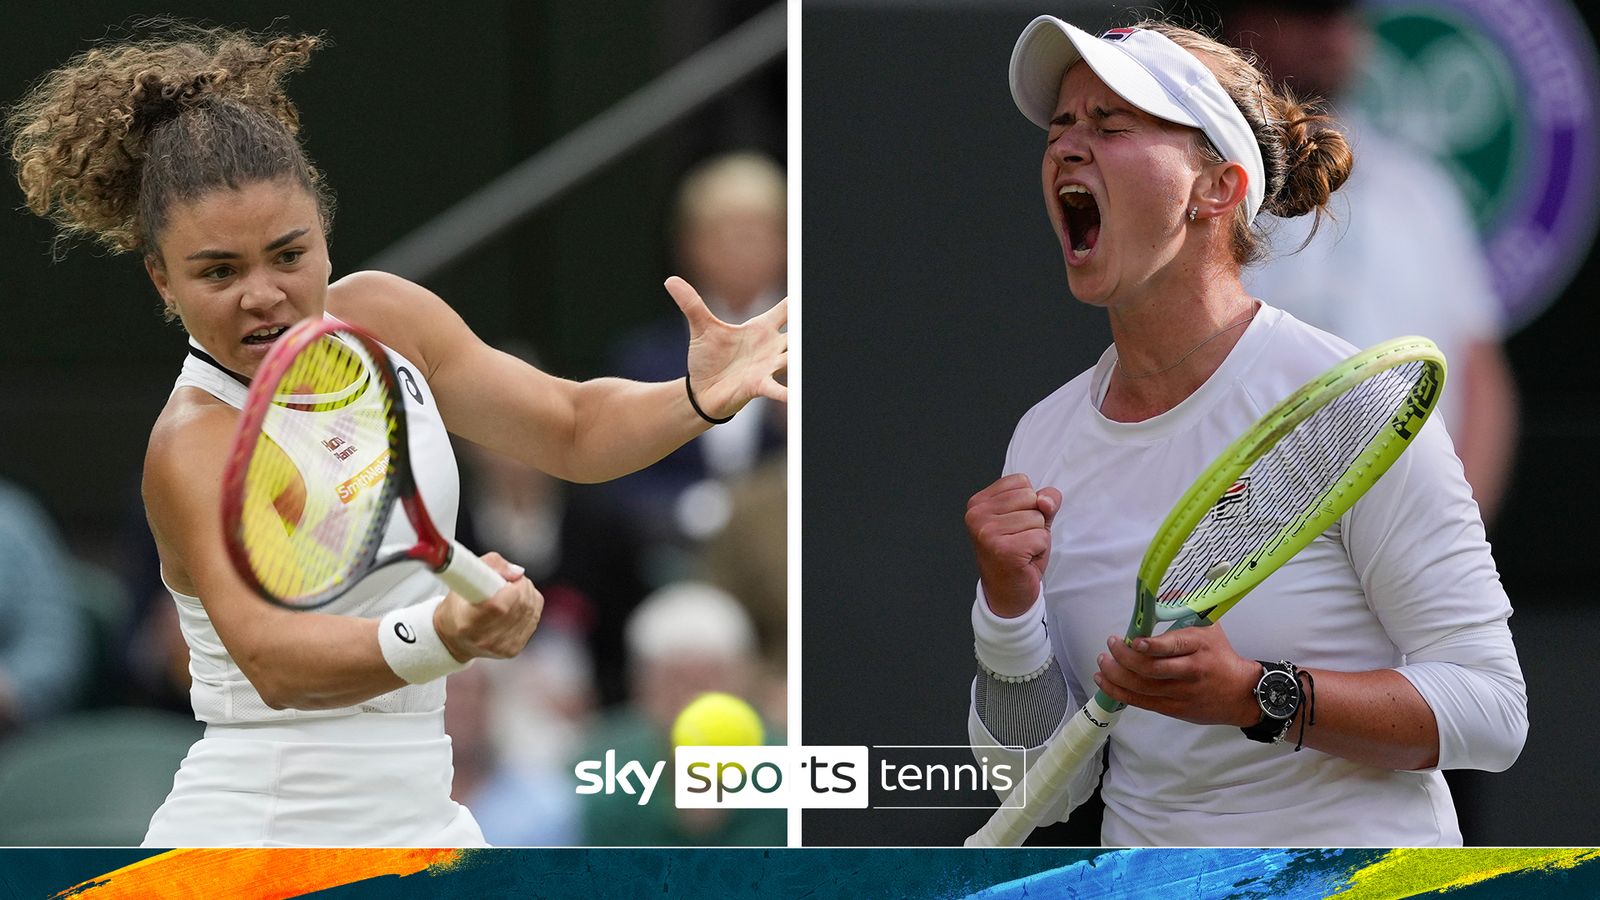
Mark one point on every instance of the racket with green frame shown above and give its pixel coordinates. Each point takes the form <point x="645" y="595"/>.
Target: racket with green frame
<point x="1298" y="469"/>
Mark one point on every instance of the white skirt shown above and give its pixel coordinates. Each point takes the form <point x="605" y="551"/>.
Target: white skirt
<point x="367" y="780"/>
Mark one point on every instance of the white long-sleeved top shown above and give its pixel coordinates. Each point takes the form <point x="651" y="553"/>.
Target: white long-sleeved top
<point x="1404" y="580"/>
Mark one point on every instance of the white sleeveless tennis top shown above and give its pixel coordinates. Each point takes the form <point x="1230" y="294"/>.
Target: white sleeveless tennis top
<point x="219" y="691"/>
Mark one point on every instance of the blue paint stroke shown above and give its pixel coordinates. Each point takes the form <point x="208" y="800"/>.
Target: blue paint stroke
<point x="1185" y="874"/>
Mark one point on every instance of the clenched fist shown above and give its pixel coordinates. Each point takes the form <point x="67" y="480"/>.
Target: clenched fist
<point x="1009" y="523"/>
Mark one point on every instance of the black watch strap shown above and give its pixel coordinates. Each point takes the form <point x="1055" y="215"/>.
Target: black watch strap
<point x="1278" y="694"/>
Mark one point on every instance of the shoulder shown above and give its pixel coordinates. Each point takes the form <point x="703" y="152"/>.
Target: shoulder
<point x="191" y="435"/>
<point x="402" y="314"/>
<point x="1043" y="424"/>
<point x="1290" y="353"/>
<point x="371" y="291"/>
<point x="184" y="467"/>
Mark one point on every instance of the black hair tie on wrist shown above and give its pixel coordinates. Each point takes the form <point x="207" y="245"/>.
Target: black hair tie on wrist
<point x="1310" y="696"/>
<point x="702" y="413"/>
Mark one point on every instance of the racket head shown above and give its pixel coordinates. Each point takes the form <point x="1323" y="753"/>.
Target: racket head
<point x="316" y="466"/>
<point x="1310" y="458"/>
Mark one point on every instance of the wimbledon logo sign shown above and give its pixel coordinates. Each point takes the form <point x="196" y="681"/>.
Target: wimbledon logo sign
<point x="1504" y="93"/>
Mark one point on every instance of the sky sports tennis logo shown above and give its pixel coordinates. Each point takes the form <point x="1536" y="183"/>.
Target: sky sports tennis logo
<point x="822" y="777"/>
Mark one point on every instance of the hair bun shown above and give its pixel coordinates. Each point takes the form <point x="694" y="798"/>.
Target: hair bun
<point x="1318" y="160"/>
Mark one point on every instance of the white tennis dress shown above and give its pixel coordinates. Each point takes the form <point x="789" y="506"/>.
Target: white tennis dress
<point x="374" y="774"/>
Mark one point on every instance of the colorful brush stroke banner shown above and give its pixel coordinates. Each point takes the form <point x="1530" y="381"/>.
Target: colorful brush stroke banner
<point x="1305" y="874"/>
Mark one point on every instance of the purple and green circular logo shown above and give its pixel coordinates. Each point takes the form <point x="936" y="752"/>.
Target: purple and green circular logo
<point x="1504" y="93"/>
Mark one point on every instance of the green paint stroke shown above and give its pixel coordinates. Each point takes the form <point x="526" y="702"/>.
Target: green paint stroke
<point x="1407" y="873"/>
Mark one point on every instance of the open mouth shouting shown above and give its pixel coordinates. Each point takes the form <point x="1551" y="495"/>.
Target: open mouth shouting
<point x="1080" y="219"/>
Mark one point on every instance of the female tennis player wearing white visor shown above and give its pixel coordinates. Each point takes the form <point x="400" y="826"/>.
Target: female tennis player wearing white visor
<point x="1325" y="708"/>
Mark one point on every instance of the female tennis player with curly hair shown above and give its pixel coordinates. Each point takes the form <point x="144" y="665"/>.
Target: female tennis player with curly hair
<point x="184" y="148"/>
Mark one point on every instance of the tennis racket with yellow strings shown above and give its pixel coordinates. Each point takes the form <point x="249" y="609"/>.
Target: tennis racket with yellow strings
<point x="319" y="460"/>
<point x="1305" y="463"/>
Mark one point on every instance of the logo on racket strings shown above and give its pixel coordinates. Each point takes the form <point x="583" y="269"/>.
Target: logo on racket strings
<point x="339" y="447"/>
<point x="1234" y="501"/>
<point x="367" y="477"/>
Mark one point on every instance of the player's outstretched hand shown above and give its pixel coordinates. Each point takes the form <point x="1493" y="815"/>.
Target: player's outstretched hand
<point x="1009" y="523"/>
<point x="1192" y="674"/>
<point x="497" y="628"/>
<point x="730" y="365"/>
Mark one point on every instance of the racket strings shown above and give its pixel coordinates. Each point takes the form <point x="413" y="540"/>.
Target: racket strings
<point x="324" y="377"/>
<point x="316" y="492"/>
<point x="1281" y="491"/>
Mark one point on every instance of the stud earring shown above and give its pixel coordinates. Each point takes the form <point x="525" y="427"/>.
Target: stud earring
<point x="1193" y="211"/>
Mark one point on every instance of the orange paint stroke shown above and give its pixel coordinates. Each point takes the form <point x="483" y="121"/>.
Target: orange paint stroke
<point x="268" y="874"/>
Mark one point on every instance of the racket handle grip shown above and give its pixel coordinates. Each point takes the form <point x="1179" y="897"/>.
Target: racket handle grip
<point x="1080" y="738"/>
<point x="470" y="576"/>
<point x="1192" y="620"/>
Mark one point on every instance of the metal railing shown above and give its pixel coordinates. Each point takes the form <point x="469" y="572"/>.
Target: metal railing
<point x="580" y="154"/>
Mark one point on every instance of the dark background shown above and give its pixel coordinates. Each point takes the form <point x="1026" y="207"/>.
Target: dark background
<point x="938" y="313"/>
<point x="413" y="106"/>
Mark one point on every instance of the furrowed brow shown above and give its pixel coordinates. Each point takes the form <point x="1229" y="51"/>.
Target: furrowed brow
<point x="229" y="254"/>
<point x="1100" y="113"/>
<point x="280" y="242"/>
<point x="212" y="254"/>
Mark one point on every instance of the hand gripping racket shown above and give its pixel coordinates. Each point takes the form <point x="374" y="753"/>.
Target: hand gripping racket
<point x="320" y="457"/>
<point x="1272" y="491"/>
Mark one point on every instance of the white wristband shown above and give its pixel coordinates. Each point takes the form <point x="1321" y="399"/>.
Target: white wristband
<point x="412" y="647"/>
<point x="1011" y="649"/>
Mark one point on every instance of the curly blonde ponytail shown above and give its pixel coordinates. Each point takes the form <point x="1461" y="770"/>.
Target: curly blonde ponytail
<point x="105" y="144"/>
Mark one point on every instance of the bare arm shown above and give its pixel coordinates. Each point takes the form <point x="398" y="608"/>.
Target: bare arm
<point x="1376" y="717"/>
<point x="301" y="660"/>
<point x="1487" y="436"/>
<point x="580" y="431"/>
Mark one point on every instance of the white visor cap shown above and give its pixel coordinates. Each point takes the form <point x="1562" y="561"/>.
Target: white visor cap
<point x="1146" y="69"/>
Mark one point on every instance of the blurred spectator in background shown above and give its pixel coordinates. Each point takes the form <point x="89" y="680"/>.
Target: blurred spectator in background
<point x="156" y="659"/>
<point x="585" y="556"/>
<point x="516" y="806"/>
<point x="151" y="656"/>
<point x="543" y="702"/>
<point x="43" y="632"/>
<point x="749" y="558"/>
<point x="684" y="640"/>
<point x="730" y="239"/>
<point x="1402" y="256"/>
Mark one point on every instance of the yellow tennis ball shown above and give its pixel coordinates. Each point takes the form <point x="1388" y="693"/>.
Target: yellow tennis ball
<point x="717" y="720"/>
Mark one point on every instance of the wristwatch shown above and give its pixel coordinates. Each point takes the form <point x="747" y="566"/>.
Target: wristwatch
<point x="1278" y="693"/>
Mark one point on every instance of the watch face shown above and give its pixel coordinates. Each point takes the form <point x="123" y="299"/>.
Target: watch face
<point x="1278" y="693"/>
